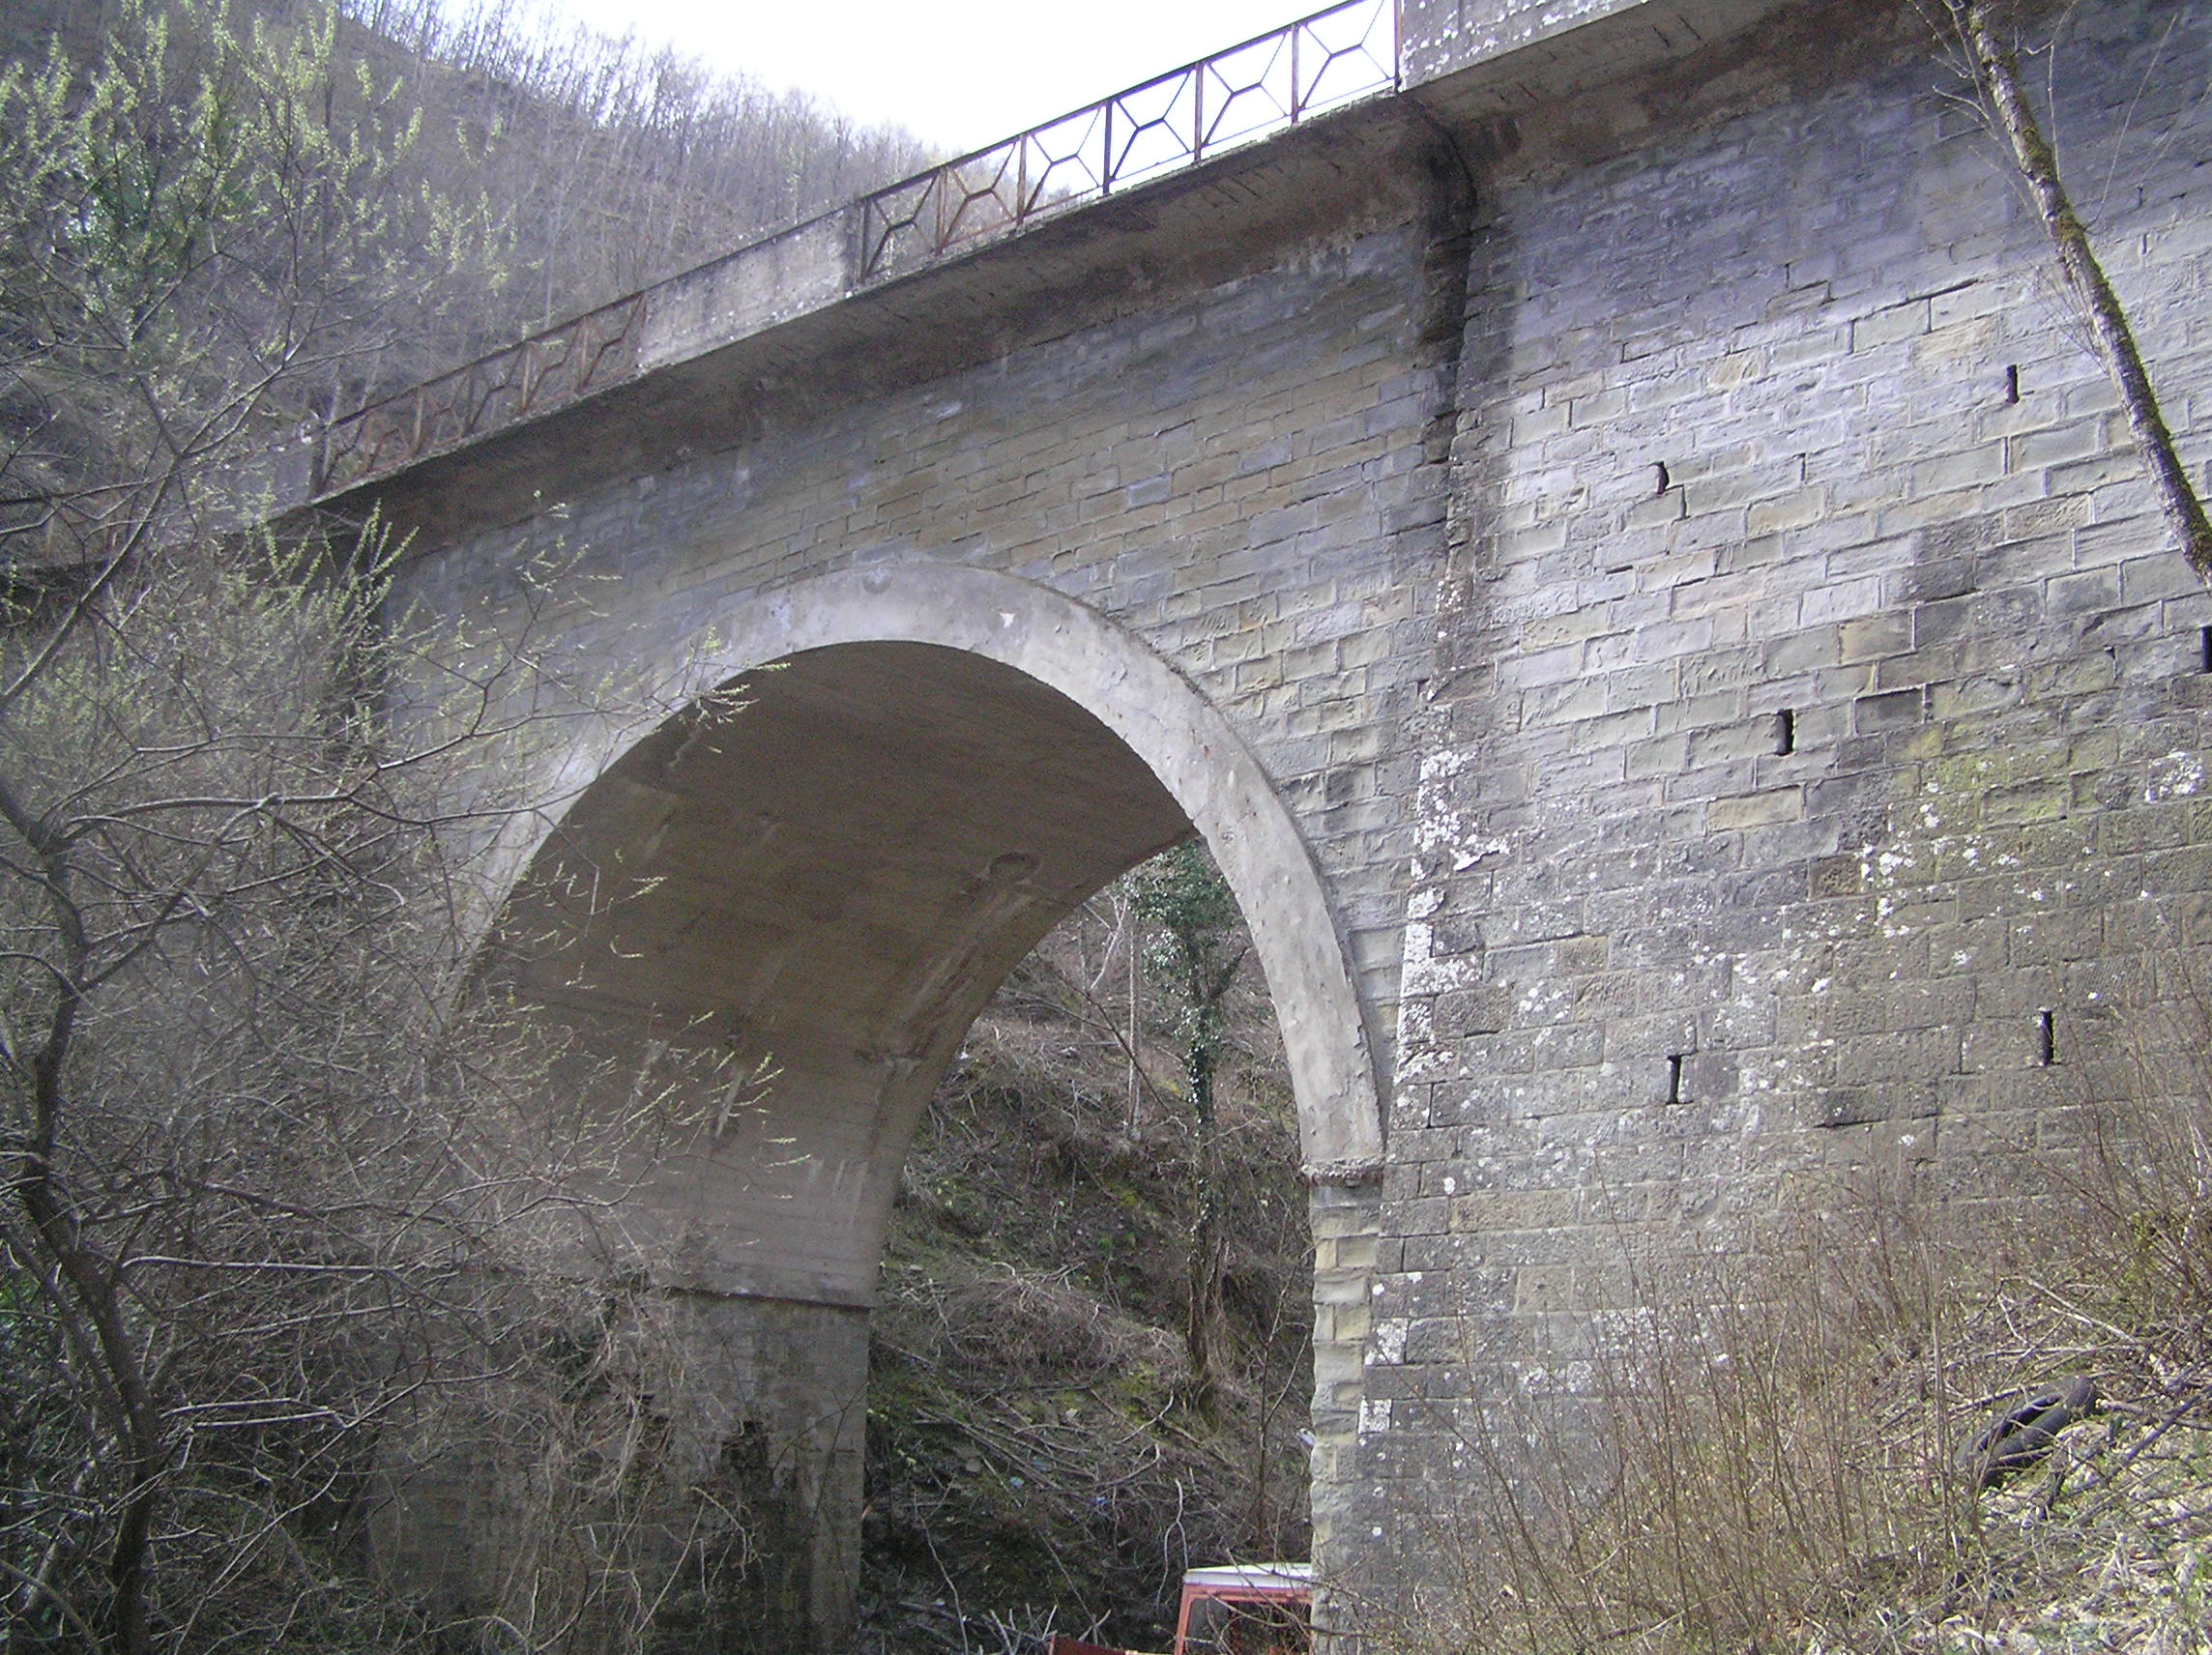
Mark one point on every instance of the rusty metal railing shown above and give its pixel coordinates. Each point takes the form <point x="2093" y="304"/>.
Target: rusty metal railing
<point x="1174" y="120"/>
<point x="543" y="372"/>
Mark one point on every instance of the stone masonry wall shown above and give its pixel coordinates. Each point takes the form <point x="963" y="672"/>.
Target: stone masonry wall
<point x="1245" y="478"/>
<point x="1818" y="702"/>
<point x="1250" y="478"/>
<point x="1706" y="621"/>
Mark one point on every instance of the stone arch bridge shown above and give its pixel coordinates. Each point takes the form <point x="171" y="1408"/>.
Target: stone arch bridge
<point x="1592" y="511"/>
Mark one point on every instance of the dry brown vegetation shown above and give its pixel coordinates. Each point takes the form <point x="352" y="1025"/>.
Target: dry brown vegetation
<point x="1775" y="1448"/>
<point x="1039" y="1452"/>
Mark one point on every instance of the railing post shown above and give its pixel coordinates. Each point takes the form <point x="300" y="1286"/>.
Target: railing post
<point x="1106" y="167"/>
<point x="1197" y="113"/>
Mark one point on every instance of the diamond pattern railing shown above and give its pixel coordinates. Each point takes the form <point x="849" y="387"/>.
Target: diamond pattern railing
<point x="537" y="376"/>
<point x="1176" y="120"/>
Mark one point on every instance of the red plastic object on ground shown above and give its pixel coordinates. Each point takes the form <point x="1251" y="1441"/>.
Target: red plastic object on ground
<point x="1241" y="1608"/>
<point x="1247" y="1609"/>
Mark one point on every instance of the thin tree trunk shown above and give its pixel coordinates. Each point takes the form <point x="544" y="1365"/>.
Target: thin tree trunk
<point x="92" y="1280"/>
<point x="1202" y="1332"/>
<point x="1136" y="1022"/>
<point x="1997" y="70"/>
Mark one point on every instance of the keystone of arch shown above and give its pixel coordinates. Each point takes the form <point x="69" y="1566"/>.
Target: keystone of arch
<point x="1132" y="691"/>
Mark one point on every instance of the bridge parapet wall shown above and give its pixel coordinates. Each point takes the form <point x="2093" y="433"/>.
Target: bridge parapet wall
<point x="977" y="245"/>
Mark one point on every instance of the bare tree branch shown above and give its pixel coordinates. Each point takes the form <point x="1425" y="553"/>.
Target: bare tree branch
<point x="1994" y="61"/>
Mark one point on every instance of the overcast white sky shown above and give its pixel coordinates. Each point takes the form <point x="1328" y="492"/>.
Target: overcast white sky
<point x="956" y="72"/>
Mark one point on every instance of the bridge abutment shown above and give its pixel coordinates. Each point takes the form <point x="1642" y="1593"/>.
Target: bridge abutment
<point x="702" y="1481"/>
<point x="766" y="1447"/>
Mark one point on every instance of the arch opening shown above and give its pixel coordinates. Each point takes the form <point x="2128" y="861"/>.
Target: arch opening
<point x="830" y="880"/>
<point x="929" y="769"/>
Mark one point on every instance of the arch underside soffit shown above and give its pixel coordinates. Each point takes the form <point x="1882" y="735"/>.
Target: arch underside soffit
<point x="834" y="875"/>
